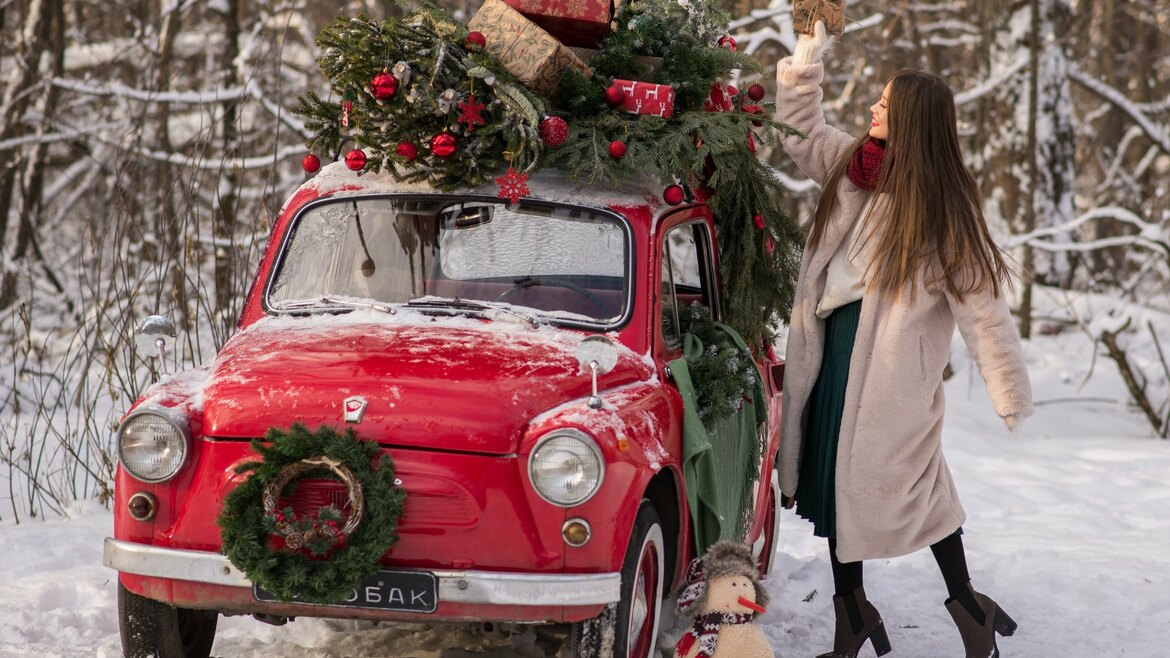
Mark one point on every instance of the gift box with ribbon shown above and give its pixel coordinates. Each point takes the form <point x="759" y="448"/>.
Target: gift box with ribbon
<point x="580" y="23"/>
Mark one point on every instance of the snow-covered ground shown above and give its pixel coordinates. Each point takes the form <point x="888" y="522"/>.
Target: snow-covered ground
<point x="1068" y="528"/>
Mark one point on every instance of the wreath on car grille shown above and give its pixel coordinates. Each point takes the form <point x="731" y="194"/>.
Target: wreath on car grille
<point x="314" y="559"/>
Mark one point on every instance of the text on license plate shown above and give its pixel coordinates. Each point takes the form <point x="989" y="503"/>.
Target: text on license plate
<point x="410" y="591"/>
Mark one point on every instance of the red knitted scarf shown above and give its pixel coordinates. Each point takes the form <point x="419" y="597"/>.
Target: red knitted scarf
<point x="865" y="165"/>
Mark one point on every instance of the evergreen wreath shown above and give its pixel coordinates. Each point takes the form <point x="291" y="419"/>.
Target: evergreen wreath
<point x="311" y="560"/>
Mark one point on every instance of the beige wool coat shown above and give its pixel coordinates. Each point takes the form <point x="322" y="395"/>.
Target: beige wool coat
<point x="894" y="492"/>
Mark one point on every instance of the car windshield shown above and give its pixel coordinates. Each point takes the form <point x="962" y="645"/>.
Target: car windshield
<point x="566" y="263"/>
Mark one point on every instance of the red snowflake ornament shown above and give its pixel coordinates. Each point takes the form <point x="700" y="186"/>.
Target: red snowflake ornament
<point x="513" y="185"/>
<point x="469" y="113"/>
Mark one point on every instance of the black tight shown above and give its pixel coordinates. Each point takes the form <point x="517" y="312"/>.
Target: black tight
<point x="847" y="576"/>
<point x="952" y="562"/>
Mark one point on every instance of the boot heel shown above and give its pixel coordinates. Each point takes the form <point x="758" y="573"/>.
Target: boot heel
<point x="879" y="640"/>
<point x="1004" y="625"/>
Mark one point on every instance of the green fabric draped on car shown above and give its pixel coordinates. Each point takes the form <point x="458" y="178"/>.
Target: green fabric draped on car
<point x="720" y="463"/>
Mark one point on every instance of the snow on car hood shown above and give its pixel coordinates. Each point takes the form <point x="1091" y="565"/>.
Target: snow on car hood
<point x="442" y="383"/>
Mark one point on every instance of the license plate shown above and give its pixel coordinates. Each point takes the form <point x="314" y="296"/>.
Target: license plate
<point x="409" y="591"/>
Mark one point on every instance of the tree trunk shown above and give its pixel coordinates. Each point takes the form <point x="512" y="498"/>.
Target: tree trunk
<point x="224" y="216"/>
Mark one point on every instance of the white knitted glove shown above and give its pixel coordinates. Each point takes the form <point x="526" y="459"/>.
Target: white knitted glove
<point x="811" y="48"/>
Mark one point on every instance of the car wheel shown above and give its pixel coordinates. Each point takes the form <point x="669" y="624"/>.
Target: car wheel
<point x="767" y="556"/>
<point x="629" y="628"/>
<point x="153" y="629"/>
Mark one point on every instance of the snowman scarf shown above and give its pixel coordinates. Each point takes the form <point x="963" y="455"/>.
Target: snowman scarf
<point x="705" y="631"/>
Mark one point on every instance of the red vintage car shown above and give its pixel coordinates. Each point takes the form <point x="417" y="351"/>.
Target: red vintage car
<point x="511" y="358"/>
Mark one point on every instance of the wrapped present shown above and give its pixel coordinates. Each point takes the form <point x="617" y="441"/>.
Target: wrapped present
<point x="806" y="13"/>
<point x="531" y="54"/>
<point x="647" y="98"/>
<point x="580" y="23"/>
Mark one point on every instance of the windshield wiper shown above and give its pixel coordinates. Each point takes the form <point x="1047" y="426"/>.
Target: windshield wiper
<point x="325" y="300"/>
<point x="466" y="305"/>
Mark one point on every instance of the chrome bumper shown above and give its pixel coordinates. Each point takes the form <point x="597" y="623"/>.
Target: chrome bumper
<point x="480" y="587"/>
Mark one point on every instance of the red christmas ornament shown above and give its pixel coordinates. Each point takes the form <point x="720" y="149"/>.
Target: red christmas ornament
<point x="513" y="185"/>
<point x="756" y="92"/>
<point x="615" y="95"/>
<point x="311" y="163"/>
<point x="407" y="151"/>
<point x="475" y="41"/>
<point x="754" y="109"/>
<point x="617" y="149"/>
<point x="554" y="131"/>
<point x="732" y="90"/>
<point x="674" y="195"/>
<point x="751" y="143"/>
<point x="769" y="245"/>
<point x="384" y="86"/>
<point x="355" y="160"/>
<point x="443" y="145"/>
<point x="470" y="113"/>
<point x="759" y="221"/>
<point x="727" y="42"/>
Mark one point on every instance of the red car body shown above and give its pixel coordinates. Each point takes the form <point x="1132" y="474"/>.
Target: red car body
<point x="458" y="401"/>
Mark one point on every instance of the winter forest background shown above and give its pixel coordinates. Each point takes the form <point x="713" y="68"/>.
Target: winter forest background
<point x="145" y="147"/>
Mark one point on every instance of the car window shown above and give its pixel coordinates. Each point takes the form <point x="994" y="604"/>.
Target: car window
<point x="686" y="274"/>
<point x="560" y="261"/>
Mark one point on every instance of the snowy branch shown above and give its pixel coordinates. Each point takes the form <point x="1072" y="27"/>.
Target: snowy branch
<point x="1159" y="134"/>
<point x="988" y="85"/>
<point x="1148" y="235"/>
<point x="798" y="186"/>
<point x="212" y="97"/>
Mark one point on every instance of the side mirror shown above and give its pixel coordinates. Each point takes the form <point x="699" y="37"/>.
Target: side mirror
<point x="155" y="337"/>
<point x="596" y="354"/>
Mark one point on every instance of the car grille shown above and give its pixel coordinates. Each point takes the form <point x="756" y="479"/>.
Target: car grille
<point x="429" y="501"/>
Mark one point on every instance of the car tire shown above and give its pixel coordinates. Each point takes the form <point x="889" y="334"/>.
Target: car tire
<point x="629" y="629"/>
<point x="152" y="629"/>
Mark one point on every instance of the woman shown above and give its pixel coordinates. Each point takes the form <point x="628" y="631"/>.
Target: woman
<point x="898" y="254"/>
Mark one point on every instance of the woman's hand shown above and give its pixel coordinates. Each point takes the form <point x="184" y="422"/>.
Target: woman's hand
<point x="811" y="48"/>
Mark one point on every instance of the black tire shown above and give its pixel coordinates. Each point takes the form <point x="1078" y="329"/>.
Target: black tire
<point x="629" y="629"/>
<point x="151" y="629"/>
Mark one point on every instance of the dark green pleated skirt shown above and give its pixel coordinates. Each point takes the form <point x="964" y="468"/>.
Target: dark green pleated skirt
<point x="815" y="499"/>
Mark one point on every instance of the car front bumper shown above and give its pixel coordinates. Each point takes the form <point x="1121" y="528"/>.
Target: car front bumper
<point x="458" y="587"/>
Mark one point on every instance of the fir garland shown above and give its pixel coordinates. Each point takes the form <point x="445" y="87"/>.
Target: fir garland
<point x="291" y="574"/>
<point x="435" y="73"/>
<point x="713" y="152"/>
<point x="723" y="375"/>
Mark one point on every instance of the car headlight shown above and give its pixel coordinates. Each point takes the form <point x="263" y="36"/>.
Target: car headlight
<point x="566" y="467"/>
<point x="152" y="447"/>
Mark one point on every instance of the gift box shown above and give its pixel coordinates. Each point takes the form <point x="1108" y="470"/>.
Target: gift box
<point x="806" y="13"/>
<point x="647" y="98"/>
<point x="528" y="52"/>
<point x="580" y="23"/>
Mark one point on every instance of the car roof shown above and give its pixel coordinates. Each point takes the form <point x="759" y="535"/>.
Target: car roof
<point x="547" y="184"/>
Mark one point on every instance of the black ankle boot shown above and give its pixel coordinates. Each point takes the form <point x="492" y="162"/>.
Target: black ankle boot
<point x="857" y="621"/>
<point x="979" y="635"/>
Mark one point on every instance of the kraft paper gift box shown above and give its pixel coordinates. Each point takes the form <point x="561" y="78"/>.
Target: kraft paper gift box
<point x="806" y="13"/>
<point x="527" y="51"/>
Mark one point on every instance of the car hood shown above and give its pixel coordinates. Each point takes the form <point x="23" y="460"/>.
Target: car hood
<point x="448" y="383"/>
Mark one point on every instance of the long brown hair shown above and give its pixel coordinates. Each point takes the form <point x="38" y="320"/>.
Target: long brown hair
<point x="932" y="215"/>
